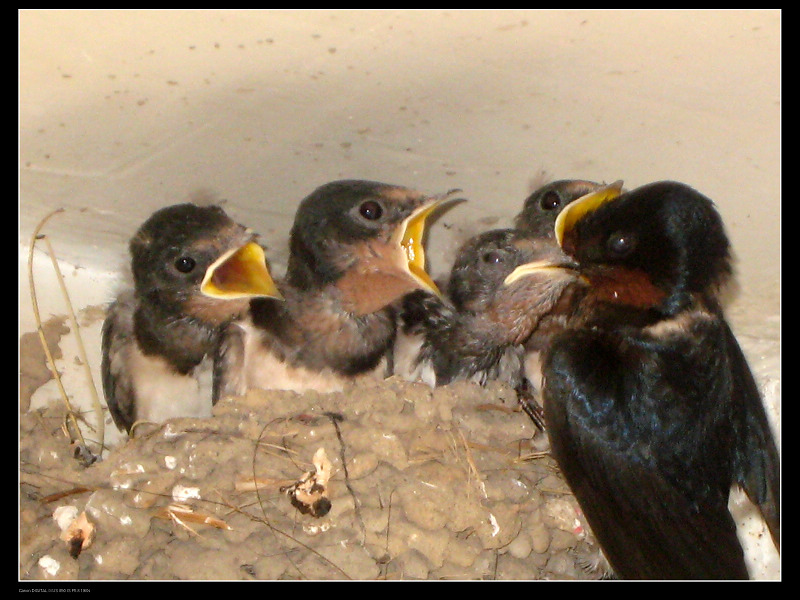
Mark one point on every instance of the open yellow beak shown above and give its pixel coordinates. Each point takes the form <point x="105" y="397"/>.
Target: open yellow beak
<point x="410" y="234"/>
<point x="573" y="211"/>
<point x="240" y="273"/>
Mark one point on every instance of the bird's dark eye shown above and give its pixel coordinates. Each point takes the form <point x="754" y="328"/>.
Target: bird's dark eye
<point x="550" y="201"/>
<point x="492" y="257"/>
<point x="370" y="210"/>
<point x="620" y="244"/>
<point x="185" y="264"/>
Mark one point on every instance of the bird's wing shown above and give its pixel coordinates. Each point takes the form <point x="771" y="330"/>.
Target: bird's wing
<point x="227" y="375"/>
<point x="422" y="317"/>
<point x="422" y="312"/>
<point x="117" y="336"/>
<point x="757" y="462"/>
<point x="648" y="526"/>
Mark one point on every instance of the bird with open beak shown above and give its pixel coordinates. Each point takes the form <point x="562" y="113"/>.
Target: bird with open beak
<point x="194" y="270"/>
<point x="355" y="249"/>
<point x="651" y="409"/>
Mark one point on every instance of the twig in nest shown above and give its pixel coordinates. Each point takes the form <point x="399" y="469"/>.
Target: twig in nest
<point x="274" y="530"/>
<point x="181" y="514"/>
<point x="252" y="484"/>
<point x="495" y="407"/>
<point x="472" y="466"/>
<point x="75" y="433"/>
<point x="532" y="456"/>
<point x="65" y="494"/>
<point x="335" y="418"/>
<point x="387" y="557"/>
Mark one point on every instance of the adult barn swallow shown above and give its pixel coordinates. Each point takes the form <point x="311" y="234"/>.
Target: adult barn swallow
<point x="496" y="296"/>
<point x="651" y="409"/>
<point x="540" y="209"/>
<point x="194" y="269"/>
<point x="355" y="248"/>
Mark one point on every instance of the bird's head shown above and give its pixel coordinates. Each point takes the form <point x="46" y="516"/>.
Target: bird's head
<point x="540" y="209"/>
<point x="652" y="248"/>
<point x="511" y="279"/>
<point x="363" y="237"/>
<point x="201" y="261"/>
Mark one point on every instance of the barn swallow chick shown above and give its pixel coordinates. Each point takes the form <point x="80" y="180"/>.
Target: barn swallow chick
<point x="651" y="409"/>
<point x="194" y="269"/>
<point x="498" y="291"/>
<point x="539" y="211"/>
<point x="355" y="248"/>
<point x="537" y="218"/>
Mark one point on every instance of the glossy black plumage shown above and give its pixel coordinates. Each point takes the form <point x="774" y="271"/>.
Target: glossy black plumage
<point x="158" y="338"/>
<point x="355" y="249"/>
<point x="652" y="411"/>
<point x="477" y="333"/>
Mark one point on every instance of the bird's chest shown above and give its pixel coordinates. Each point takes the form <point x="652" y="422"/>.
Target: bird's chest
<point x="186" y="343"/>
<point x="657" y="397"/>
<point x="315" y="346"/>
<point x="162" y="393"/>
<point x="325" y="336"/>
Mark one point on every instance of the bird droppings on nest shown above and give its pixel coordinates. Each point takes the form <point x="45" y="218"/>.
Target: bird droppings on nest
<point x="76" y="529"/>
<point x="309" y="494"/>
<point x="434" y="486"/>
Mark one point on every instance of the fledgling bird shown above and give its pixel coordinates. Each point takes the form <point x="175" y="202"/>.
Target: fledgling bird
<point x="194" y="269"/>
<point x="537" y="219"/>
<point x="651" y="409"/>
<point x="494" y="300"/>
<point x="539" y="211"/>
<point x="355" y="248"/>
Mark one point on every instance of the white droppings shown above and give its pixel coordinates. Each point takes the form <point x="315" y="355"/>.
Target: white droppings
<point x="181" y="493"/>
<point x="316" y="529"/>
<point x="50" y="565"/>
<point x="495" y="525"/>
<point x="170" y="462"/>
<point x="64" y="516"/>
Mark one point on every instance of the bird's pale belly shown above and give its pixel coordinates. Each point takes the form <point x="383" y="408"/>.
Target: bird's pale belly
<point x="163" y="394"/>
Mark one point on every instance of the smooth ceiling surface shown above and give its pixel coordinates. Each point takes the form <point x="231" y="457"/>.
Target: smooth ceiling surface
<point x="125" y="111"/>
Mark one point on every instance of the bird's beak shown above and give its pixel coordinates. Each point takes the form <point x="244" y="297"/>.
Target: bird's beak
<point x="240" y="273"/>
<point x="576" y="209"/>
<point x="408" y="236"/>
<point x="548" y="268"/>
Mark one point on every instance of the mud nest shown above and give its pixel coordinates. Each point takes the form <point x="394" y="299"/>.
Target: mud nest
<point x="386" y="480"/>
